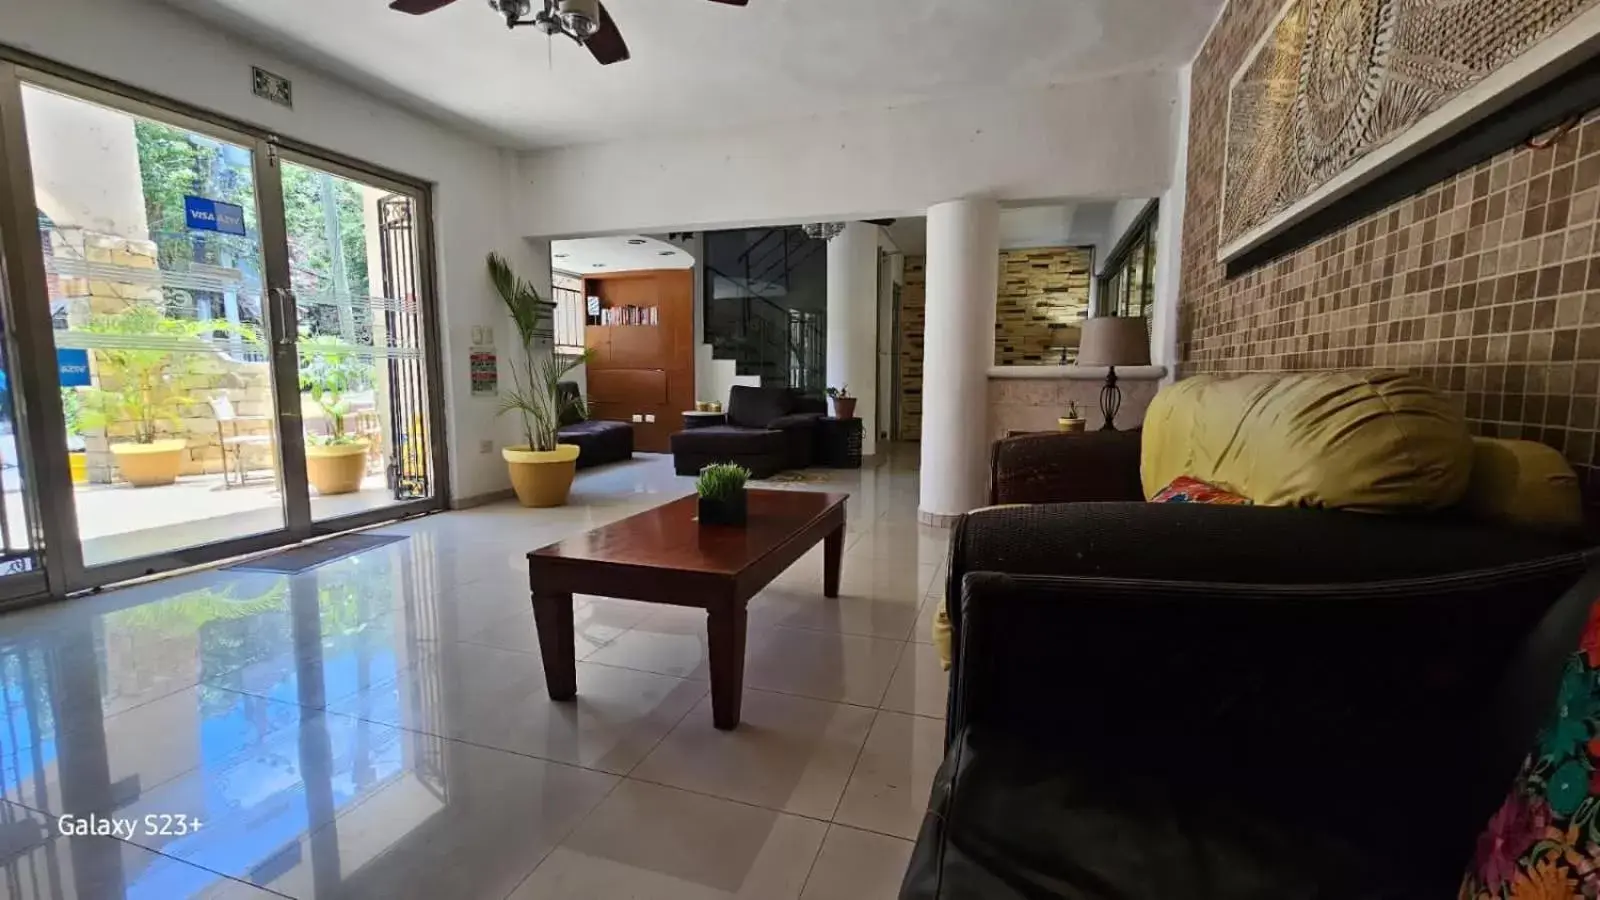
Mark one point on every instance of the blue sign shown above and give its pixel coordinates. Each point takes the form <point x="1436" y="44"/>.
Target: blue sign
<point x="213" y="215"/>
<point x="74" y="367"/>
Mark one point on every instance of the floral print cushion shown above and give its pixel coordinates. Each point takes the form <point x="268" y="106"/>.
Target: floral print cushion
<point x="1193" y="490"/>
<point x="1544" y="842"/>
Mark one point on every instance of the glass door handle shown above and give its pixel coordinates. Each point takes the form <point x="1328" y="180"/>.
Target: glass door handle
<point x="287" y="316"/>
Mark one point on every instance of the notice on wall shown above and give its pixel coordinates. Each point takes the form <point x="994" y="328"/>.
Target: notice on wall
<point x="485" y="372"/>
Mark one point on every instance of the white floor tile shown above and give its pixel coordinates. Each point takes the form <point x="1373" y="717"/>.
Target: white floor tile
<point x="920" y="684"/>
<point x="859" y="865"/>
<point x="789" y="753"/>
<point x="888" y="792"/>
<point x="646" y="841"/>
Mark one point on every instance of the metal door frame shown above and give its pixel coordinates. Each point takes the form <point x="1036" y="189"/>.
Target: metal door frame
<point x="38" y="411"/>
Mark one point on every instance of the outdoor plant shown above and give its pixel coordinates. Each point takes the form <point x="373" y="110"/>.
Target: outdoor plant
<point x="142" y="381"/>
<point x="329" y="371"/>
<point x="721" y="482"/>
<point x="535" y="394"/>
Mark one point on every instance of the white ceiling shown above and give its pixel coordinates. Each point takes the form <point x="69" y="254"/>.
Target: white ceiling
<point x="1043" y="225"/>
<point x="701" y="66"/>
<point x="617" y="254"/>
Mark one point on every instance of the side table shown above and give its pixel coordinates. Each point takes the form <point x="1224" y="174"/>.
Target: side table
<point x="838" y="443"/>
<point x="694" y="418"/>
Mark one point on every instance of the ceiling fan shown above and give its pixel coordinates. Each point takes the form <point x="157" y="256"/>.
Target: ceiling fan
<point x="585" y="21"/>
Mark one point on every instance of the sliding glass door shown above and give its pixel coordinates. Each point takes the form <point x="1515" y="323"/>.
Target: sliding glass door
<point x="222" y="343"/>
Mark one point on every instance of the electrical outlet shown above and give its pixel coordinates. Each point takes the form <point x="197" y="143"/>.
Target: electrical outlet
<point x="486" y="446"/>
<point x="638" y="418"/>
<point x="650" y="418"/>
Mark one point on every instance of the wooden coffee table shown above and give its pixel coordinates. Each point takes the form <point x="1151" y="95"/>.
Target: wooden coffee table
<point x="666" y="556"/>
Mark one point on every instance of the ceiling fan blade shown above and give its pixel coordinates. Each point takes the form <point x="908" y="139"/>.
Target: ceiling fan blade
<point x="419" y="7"/>
<point x="732" y="2"/>
<point x="606" y="43"/>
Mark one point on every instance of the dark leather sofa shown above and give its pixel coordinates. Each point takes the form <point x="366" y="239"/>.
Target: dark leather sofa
<point x="599" y="442"/>
<point x="769" y="430"/>
<point x="1189" y="701"/>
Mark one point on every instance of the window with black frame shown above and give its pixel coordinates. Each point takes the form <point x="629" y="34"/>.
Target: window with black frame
<point x="1127" y="283"/>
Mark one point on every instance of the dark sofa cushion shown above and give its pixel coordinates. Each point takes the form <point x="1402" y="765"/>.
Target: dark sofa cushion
<point x="728" y="439"/>
<point x="756" y="407"/>
<point x="599" y="441"/>
<point x="1008" y="821"/>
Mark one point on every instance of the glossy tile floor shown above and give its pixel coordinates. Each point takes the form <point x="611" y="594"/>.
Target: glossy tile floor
<point x="378" y="727"/>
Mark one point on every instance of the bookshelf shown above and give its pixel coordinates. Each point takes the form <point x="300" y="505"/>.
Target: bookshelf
<point x="641" y="330"/>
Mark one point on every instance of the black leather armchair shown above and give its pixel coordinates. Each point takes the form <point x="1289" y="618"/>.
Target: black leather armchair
<point x="1229" y="702"/>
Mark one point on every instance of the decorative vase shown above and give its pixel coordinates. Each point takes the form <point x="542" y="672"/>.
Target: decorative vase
<point x="730" y="511"/>
<point x="844" y="407"/>
<point x="150" y="465"/>
<point x="714" y="406"/>
<point x="1068" y="423"/>
<point x="542" y="478"/>
<point x="337" y="468"/>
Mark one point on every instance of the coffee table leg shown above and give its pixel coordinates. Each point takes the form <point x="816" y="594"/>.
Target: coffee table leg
<point x="832" y="557"/>
<point x="552" y="616"/>
<point x="725" y="629"/>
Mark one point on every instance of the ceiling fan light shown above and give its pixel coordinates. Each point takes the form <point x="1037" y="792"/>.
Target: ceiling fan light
<point x="581" y="18"/>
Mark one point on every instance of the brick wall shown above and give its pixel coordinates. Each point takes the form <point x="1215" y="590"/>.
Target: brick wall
<point x="1487" y="284"/>
<point x="1039" y="289"/>
<point x="913" y="322"/>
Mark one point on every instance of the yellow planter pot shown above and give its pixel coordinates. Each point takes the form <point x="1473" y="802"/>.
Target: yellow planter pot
<point x="78" y="464"/>
<point x="542" y="478"/>
<point x="336" y="468"/>
<point x="149" y="465"/>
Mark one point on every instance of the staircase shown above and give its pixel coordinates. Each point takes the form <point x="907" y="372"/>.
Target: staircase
<point x="751" y="321"/>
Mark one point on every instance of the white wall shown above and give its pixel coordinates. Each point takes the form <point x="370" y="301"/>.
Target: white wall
<point x="853" y="322"/>
<point x="1124" y="212"/>
<point x="162" y="50"/>
<point x="1104" y="139"/>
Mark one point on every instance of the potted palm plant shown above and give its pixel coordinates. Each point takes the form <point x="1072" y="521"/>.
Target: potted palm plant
<point x="336" y="462"/>
<point x="140" y="391"/>
<point x="541" y="468"/>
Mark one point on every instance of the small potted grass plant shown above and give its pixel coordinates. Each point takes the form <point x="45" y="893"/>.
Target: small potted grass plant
<point x="722" y="494"/>
<point x="1073" y="420"/>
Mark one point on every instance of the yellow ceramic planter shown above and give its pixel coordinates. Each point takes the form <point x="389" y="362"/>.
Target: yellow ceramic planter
<point x="149" y="465"/>
<point x="78" y="464"/>
<point x="542" y="478"/>
<point x="336" y="468"/>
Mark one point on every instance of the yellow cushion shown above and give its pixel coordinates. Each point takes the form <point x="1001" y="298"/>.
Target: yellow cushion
<point x="1524" y="484"/>
<point x="1368" y="441"/>
<point x="941" y="635"/>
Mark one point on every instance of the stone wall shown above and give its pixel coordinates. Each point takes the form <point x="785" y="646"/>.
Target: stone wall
<point x="1041" y="290"/>
<point x="913" y="323"/>
<point x="1487" y="283"/>
<point x="201" y="375"/>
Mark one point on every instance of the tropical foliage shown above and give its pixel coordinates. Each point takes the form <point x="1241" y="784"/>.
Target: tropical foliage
<point x="329" y="371"/>
<point x="535" y="394"/>
<point x="144" y="366"/>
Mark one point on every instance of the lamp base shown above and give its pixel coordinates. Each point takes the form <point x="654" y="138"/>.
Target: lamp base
<point x="1110" y="400"/>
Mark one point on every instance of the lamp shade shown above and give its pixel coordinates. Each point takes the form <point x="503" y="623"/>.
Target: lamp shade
<point x="1114" y="341"/>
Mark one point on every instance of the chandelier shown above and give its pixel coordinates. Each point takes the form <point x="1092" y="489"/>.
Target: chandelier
<point x="823" y="231"/>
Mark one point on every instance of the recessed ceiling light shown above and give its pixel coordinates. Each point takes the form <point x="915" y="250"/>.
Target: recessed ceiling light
<point x="669" y="253"/>
<point x="562" y="255"/>
<point x="636" y="241"/>
<point x="599" y="265"/>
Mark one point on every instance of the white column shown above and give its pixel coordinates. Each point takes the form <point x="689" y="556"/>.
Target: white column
<point x="853" y="322"/>
<point x="963" y="271"/>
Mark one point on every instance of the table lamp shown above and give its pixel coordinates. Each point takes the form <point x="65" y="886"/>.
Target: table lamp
<point x="1113" y="341"/>
<point x="1064" y="338"/>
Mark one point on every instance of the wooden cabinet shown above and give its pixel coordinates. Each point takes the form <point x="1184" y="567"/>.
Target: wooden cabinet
<point x="644" y="370"/>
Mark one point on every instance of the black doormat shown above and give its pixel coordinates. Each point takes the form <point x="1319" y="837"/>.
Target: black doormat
<point x="308" y="556"/>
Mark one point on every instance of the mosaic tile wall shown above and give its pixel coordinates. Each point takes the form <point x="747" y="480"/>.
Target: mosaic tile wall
<point x="913" y="321"/>
<point x="1039" y="288"/>
<point x="1487" y="284"/>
